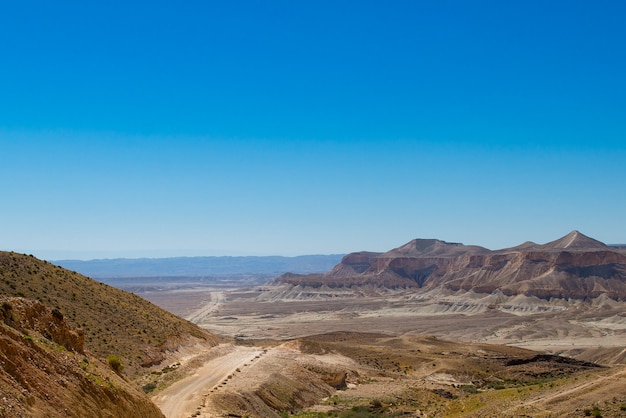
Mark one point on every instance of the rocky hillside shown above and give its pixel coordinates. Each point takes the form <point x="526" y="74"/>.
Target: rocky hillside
<point x="45" y="371"/>
<point x="111" y="321"/>
<point x="574" y="266"/>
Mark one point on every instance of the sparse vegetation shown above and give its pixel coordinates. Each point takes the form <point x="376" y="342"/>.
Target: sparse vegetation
<point x="593" y="412"/>
<point x="38" y="369"/>
<point x="149" y="387"/>
<point x="135" y="329"/>
<point x="115" y="363"/>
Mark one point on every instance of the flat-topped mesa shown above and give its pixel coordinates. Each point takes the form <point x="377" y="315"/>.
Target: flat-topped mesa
<point x="432" y="248"/>
<point x="574" y="266"/>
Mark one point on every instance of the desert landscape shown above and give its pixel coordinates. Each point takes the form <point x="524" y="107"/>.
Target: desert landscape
<point x="406" y="350"/>
<point x="329" y="209"/>
<point x="427" y="329"/>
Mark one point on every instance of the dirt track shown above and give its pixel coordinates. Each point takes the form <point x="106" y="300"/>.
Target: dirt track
<point x="216" y="299"/>
<point x="184" y="397"/>
<point x="578" y="389"/>
<point x="590" y="332"/>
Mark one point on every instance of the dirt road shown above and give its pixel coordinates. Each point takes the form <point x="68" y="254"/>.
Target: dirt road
<point x="184" y="397"/>
<point x="616" y="375"/>
<point x="216" y="299"/>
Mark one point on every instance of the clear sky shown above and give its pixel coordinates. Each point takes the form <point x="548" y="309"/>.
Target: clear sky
<point x="134" y="129"/>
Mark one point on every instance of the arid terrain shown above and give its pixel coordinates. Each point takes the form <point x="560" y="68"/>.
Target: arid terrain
<point x="593" y="331"/>
<point x="429" y="329"/>
<point x="397" y="325"/>
<point x="406" y="350"/>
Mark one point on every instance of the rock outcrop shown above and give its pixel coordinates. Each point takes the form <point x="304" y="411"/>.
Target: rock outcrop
<point x="44" y="371"/>
<point x="574" y="266"/>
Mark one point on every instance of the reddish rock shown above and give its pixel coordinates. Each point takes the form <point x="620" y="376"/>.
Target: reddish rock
<point x="574" y="266"/>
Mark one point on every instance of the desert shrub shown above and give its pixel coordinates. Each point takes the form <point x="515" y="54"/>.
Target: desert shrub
<point x="148" y="388"/>
<point x="359" y="412"/>
<point x="469" y="389"/>
<point x="595" y="412"/>
<point x="496" y="385"/>
<point x="115" y="363"/>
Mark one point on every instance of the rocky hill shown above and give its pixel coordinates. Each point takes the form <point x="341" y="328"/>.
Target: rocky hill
<point x="46" y="372"/>
<point x="574" y="266"/>
<point x="113" y="322"/>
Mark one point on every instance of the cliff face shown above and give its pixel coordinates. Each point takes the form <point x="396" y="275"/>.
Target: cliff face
<point x="44" y="371"/>
<point x="574" y="266"/>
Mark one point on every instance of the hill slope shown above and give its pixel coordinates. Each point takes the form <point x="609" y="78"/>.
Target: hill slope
<point x="114" y="322"/>
<point x="574" y="266"/>
<point x="45" y="372"/>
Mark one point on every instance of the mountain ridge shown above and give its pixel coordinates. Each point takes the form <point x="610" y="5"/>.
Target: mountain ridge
<point x="200" y="266"/>
<point x="574" y="265"/>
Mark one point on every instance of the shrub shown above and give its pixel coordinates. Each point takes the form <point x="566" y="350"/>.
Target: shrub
<point x="469" y="389"/>
<point x="148" y="388"/>
<point x="116" y="363"/>
<point x="595" y="412"/>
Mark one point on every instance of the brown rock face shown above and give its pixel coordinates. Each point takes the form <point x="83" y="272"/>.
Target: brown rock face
<point x="44" y="371"/>
<point x="574" y="266"/>
<point x="24" y="315"/>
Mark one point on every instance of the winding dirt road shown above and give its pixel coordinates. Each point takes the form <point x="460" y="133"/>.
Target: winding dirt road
<point x="184" y="397"/>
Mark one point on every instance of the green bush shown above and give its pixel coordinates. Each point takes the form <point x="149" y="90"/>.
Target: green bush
<point x="116" y="363"/>
<point x="469" y="389"/>
<point x="148" y="388"/>
<point x="595" y="412"/>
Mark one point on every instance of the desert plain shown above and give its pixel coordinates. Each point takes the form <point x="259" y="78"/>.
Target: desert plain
<point x="393" y="353"/>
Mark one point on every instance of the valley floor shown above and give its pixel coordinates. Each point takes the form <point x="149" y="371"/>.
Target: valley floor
<point x="263" y="330"/>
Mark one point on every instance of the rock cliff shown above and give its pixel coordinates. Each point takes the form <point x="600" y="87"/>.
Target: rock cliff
<point x="574" y="266"/>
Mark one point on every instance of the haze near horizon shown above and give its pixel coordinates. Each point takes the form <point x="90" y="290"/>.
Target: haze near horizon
<point x="129" y="130"/>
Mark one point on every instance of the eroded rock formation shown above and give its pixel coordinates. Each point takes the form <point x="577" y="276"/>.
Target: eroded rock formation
<point x="574" y="266"/>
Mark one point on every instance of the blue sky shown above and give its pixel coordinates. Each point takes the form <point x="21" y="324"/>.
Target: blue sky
<point x="235" y="128"/>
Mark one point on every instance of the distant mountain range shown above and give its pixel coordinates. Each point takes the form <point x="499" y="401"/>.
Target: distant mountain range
<point x="201" y="266"/>
<point x="574" y="266"/>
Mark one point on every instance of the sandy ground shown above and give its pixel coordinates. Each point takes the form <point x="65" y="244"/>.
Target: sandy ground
<point x="249" y="315"/>
<point x="552" y="327"/>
